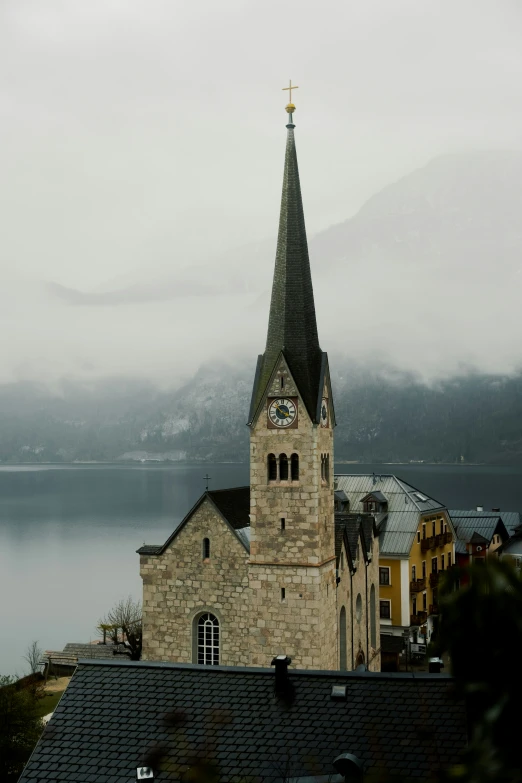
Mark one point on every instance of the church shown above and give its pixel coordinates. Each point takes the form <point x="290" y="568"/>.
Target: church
<point x="270" y="569"/>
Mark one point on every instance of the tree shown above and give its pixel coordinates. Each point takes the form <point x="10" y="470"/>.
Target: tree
<point x="125" y="616"/>
<point x="20" y="726"/>
<point x="33" y="656"/>
<point x="481" y="630"/>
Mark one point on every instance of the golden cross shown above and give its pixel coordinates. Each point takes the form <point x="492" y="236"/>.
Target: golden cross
<point x="290" y="88"/>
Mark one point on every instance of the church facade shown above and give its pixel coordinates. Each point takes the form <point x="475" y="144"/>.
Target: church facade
<point x="254" y="572"/>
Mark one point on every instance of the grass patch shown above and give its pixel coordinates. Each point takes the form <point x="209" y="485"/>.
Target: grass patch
<point x="47" y="704"/>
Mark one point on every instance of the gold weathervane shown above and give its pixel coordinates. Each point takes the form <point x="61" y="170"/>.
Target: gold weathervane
<point x="290" y="107"/>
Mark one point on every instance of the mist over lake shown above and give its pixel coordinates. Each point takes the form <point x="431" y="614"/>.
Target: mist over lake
<point x="68" y="534"/>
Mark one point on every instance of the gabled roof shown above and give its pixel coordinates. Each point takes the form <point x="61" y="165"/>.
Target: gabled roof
<point x="292" y="326"/>
<point x="406" y="504"/>
<point x="377" y="495"/>
<point x="232" y="504"/>
<point x="354" y="529"/>
<point x="510" y="519"/>
<point x="408" y="724"/>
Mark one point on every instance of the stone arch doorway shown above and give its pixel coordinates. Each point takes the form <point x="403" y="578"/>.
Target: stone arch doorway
<point x="360" y="659"/>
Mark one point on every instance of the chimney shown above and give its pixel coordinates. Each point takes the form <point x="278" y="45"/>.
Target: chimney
<point x="284" y="688"/>
<point x="495" y="509"/>
<point x="480" y="508"/>
<point x="281" y="663"/>
<point x="349" y="766"/>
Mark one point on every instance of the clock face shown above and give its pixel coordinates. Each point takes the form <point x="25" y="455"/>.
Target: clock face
<point x="324" y="412"/>
<point x="282" y="412"/>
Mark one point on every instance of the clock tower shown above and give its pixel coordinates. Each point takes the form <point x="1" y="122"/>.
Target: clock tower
<point x="291" y="420"/>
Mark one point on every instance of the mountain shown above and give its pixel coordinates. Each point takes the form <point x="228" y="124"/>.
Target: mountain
<point x="382" y="415"/>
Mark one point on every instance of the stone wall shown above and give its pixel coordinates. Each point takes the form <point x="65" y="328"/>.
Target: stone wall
<point x="179" y="585"/>
<point x="348" y="590"/>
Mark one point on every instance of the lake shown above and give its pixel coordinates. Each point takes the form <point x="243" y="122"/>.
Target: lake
<point x="68" y="534"/>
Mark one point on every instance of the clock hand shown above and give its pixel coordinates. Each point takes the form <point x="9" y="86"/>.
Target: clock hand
<point x="280" y="411"/>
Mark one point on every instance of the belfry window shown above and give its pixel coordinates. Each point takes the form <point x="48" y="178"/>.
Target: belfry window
<point x="283" y="467"/>
<point x="327" y="468"/>
<point x="272" y="467"/>
<point x="282" y="381"/>
<point x="294" y="464"/>
<point x="206" y="548"/>
<point x="208" y="640"/>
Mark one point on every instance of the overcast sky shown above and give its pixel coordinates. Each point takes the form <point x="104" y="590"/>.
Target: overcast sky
<point x="141" y="135"/>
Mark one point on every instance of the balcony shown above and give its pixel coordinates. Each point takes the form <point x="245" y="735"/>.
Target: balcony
<point x="419" y="618"/>
<point x="416" y="585"/>
<point x="439" y="540"/>
<point x="434" y="609"/>
<point x="448" y="538"/>
<point x="434" y="579"/>
<point x="428" y="543"/>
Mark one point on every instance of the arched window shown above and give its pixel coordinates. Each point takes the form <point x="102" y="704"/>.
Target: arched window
<point x="283" y="467"/>
<point x="271" y="467"/>
<point x="208" y="639"/>
<point x="373" y="618"/>
<point x="206" y="548"/>
<point x="322" y="467"/>
<point x="342" y="640"/>
<point x="327" y="468"/>
<point x="358" y="608"/>
<point x="294" y="462"/>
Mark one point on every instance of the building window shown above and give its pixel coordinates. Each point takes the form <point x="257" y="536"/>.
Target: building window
<point x="283" y="594"/>
<point x="283" y="467"/>
<point x="342" y="640"/>
<point x="418" y="536"/>
<point x="208" y="640"/>
<point x="424" y="569"/>
<point x="282" y="382"/>
<point x="413" y="573"/>
<point x="327" y="468"/>
<point x="271" y="467"/>
<point x="442" y="562"/>
<point x="433" y="529"/>
<point x="441" y="526"/>
<point x="424" y="601"/>
<point x="414" y="605"/>
<point x="294" y="464"/>
<point x="424" y="530"/>
<point x="385" y="610"/>
<point x="283" y="523"/>
<point x="449" y="559"/>
<point x="358" y="608"/>
<point x="373" y="621"/>
<point x="206" y="548"/>
<point x="433" y="565"/>
<point x="384" y="576"/>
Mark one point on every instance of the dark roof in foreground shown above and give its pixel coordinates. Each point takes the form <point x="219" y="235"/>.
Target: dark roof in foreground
<point x="116" y="716"/>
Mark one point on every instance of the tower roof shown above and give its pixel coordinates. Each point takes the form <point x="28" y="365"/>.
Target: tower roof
<point x="292" y="326"/>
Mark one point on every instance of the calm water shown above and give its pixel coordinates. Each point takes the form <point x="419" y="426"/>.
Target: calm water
<point x="68" y="534"/>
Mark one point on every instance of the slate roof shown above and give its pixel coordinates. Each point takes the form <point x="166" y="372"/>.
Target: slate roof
<point x="117" y="716"/>
<point x="406" y="504"/>
<point x="292" y="326"/>
<point x="233" y="504"/>
<point x="355" y="525"/>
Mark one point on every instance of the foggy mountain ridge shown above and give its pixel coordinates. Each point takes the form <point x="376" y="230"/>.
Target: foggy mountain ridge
<point x="383" y="415"/>
<point x="458" y="208"/>
<point x="425" y="277"/>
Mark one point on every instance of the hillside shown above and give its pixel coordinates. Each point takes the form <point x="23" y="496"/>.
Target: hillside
<point x="383" y="416"/>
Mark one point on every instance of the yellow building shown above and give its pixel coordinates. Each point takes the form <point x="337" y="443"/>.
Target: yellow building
<point x="416" y="543"/>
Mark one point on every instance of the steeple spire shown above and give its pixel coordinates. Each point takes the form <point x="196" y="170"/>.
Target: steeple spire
<point x="292" y="326"/>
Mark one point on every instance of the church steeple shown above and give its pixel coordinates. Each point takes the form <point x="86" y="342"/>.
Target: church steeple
<point x="292" y="326"/>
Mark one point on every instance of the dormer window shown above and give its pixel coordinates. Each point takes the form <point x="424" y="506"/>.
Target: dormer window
<point x="375" y="502"/>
